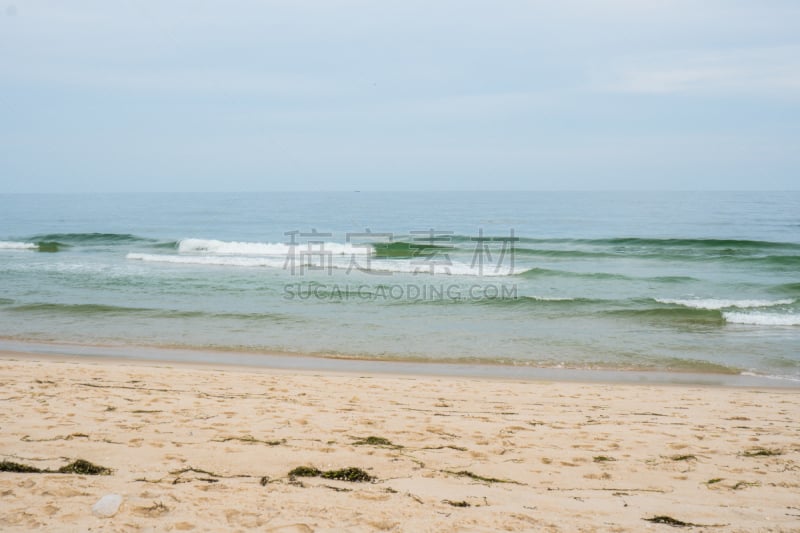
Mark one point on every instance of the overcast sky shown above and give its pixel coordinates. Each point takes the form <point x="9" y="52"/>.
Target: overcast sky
<point x="393" y="95"/>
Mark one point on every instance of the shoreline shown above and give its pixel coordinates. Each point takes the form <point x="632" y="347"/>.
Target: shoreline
<point x="335" y="363"/>
<point x="193" y="446"/>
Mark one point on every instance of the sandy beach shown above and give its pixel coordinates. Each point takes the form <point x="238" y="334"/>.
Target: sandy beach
<point x="211" y="448"/>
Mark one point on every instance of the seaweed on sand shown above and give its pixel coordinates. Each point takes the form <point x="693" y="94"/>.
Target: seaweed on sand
<point x="476" y="477"/>
<point x="352" y="474"/>
<point x="376" y="441"/>
<point x="79" y="466"/>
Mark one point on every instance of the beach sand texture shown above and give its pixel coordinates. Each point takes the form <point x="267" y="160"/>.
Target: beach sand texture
<point x="195" y="448"/>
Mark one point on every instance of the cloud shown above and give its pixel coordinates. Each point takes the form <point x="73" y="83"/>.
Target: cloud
<point x="751" y="70"/>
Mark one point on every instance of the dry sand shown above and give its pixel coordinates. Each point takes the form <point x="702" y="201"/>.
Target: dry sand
<point x="201" y="448"/>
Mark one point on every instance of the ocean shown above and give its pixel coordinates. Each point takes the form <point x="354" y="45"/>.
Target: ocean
<point x="697" y="282"/>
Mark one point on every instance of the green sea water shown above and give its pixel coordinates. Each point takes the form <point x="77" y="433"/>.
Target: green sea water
<point x="676" y="282"/>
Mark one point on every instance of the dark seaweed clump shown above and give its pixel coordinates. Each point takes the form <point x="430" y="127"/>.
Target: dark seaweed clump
<point x="84" y="468"/>
<point x="668" y="520"/>
<point x="476" y="477"/>
<point x="352" y="473"/>
<point x="376" y="441"/>
<point x="80" y="466"/>
<point x="674" y="522"/>
<point x="10" y="466"/>
<point x="305" y="471"/>
<point x="458" y="503"/>
<point x="761" y="452"/>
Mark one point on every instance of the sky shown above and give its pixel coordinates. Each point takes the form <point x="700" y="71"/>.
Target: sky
<point x="129" y="95"/>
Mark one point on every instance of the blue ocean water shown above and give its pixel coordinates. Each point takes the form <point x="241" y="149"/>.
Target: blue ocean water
<point x="677" y="281"/>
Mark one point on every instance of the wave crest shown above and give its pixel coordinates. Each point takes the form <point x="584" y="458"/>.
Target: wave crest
<point x="216" y="247"/>
<point x="716" y="304"/>
<point x="313" y="262"/>
<point x="14" y="245"/>
<point x="762" y="319"/>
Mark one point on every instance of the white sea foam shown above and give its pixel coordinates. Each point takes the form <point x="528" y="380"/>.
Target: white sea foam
<point x="327" y="255"/>
<point x="209" y="260"/>
<point x="714" y="304"/>
<point x="11" y="245"/>
<point x="406" y="266"/>
<point x="215" y="247"/>
<point x="762" y="319"/>
<point x="770" y="376"/>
